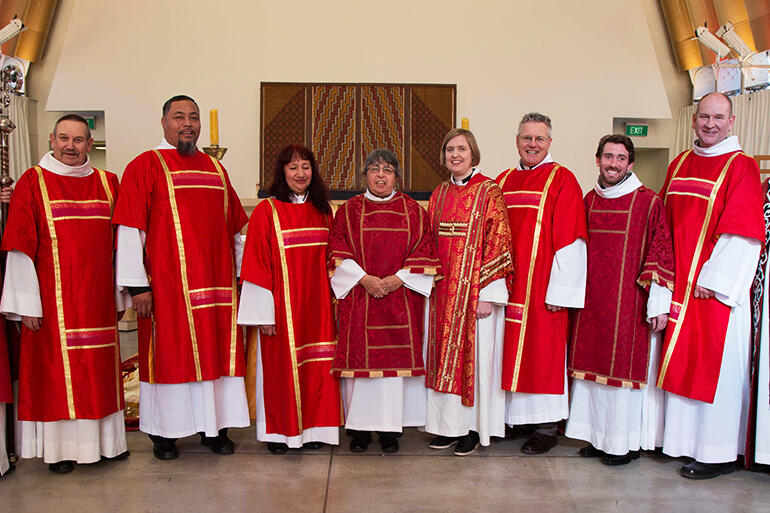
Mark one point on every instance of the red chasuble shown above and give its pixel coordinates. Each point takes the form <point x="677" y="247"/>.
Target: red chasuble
<point x="286" y="254"/>
<point x="6" y="392"/>
<point x="546" y="214"/>
<point x="473" y="243"/>
<point x="68" y="369"/>
<point x="382" y="337"/>
<point x="705" y="197"/>
<point x="630" y="247"/>
<point x="190" y="213"/>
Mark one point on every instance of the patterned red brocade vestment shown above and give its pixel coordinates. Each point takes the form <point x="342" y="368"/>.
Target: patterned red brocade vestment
<point x="630" y="247"/>
<point x="546" y="214"/>
<point x="68" y="369"/>
<point x="190" y="213"/>
<point x="705" y="197"/>
<point x="382" y="337"/>
<point x="473" y="243"/>
<point x="286" y="254"/>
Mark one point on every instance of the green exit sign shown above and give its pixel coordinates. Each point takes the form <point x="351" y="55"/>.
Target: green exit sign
<point x="636" y="130"/>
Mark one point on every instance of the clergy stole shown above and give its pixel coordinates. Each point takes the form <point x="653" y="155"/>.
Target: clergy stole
<point x="382" y="337"/>
<point x="473" y="242"/>
<point x="191" y="214"/>
<point x="705" y="197"/>
<point x="69" y="368"/>
<point x="546" y="214"/>
<point x="630" y="247"/>
<point x="286" y="254"/>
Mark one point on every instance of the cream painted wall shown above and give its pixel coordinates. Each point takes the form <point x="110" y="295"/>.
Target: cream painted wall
<point x="582" y="63"/>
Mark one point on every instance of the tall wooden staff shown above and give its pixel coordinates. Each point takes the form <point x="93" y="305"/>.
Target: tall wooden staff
<point x="11" y="80"/>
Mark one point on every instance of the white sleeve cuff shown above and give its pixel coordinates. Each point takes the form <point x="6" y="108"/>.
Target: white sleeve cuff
<point x="567" y="282"/>
<point x="238" y="253"/>
<point x="346" y="276"/>
<point x="257" y="307"/>
<point x="21" y="289"/>
<point x="496" y="293"/>
<point x="129" y="259"/>
<point x="730" y="269"/>
<point x="658" y="302"/>
<point x="420" y="283"/>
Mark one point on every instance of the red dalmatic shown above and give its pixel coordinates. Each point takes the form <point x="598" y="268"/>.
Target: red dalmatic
<point x="705" y="197"/>
<point x="630" y="248"/>
<point x="191" y="214"/>
<point x="546" y="214"/>
<point x="69" y="368"/>
<point x="286" y="254"/>
<point x="382" y="337"/>
<point x="473" y="243"/>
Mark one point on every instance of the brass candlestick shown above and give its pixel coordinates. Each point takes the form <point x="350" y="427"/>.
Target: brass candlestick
<point x="215" y="151"/>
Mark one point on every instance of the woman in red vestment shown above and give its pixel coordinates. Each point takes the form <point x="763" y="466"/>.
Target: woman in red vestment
<point x="286" y="294"/>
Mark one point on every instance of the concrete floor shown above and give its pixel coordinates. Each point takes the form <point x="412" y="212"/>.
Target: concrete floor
<point x="496" y="478"/>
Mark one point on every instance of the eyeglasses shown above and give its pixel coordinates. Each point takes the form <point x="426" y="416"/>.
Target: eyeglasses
<point x="528" y="139"/>
<point x="388" y="170"/>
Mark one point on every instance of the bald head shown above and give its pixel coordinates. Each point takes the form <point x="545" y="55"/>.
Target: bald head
<point x="713" y="119"/>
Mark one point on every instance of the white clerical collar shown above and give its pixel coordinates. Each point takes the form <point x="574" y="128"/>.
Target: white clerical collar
<point x="368" y="195"/>
<point x="547" y="160"/>
<point x="729" y="145"/>
<point x="464" y="181"/>
<point x="628" y="185"/>
<point x="51" y="164"/>
<point x="296" y="198"/>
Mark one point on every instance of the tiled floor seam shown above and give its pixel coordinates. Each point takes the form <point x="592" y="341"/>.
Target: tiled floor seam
<point x="328" y="478"/>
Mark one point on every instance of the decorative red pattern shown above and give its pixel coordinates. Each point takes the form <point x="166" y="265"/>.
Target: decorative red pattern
<point x="71" y="209"/>
<point x="209" y="297"/>
<point x="90" y="338"/>
<point x="315" y="236"/>
<point x="529" y="198"/>
<point x="325" y="350"/>
<point x="514" y="312"/>
<point x="193" y="178"/>
<point x="690" y="186"/>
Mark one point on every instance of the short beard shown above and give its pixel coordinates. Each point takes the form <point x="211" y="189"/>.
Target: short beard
<point x="186" y="148"/>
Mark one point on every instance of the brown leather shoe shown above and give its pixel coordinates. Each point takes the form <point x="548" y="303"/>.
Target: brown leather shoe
<point x="538" y="443"/>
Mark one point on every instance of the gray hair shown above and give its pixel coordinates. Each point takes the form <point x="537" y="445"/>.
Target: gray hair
<point x="536" y="117"/>
<point x="381" y="154"/>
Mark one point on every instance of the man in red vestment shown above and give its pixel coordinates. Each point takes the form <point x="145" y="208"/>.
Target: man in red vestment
<point x="713" y="202"/>
<point x="179" y="223"/>
<point x="59" y="282"/>
<point x="548" y="233"/>
<point x="613" y="352"/>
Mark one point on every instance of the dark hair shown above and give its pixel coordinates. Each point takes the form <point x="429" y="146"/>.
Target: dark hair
<point x="73" y="117"/>
<point x="177" y="98"/>
<point x="616" y="139"/>
<point x="385" y="155"/>
<point x="316" y="191"/>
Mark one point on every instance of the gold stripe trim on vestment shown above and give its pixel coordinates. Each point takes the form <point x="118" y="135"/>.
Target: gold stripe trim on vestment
<point x="81" y="202"/>
<point x="533" y="256"/>
<point x="289" y="313"/>
<point x="59" y="293"/>
<point x="95" y="346"/>
<point x="182" y="265"/>
<point x="693" y="267"/>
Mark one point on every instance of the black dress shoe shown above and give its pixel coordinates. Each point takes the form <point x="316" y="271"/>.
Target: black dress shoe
<point x="622" y="459"/>
<point x="360" y="441"/>
<point x="277" y="448"/>
<point x="521" y="431"/>
<point x="538" y="443"/>
<point x="122" y="456"/>
<point x="62" y="467"/>
<point x="313" y="446"/>
<point x="589" y="451"/>
<point x="467" y="444"/>
<point x="164" y="448"/>
<point x="698" y="470"/>
<point x="389" y="443"/>
<point x="443" y="442"/>
<point x="219" y="444"/>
